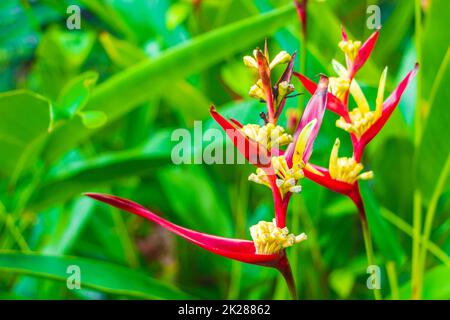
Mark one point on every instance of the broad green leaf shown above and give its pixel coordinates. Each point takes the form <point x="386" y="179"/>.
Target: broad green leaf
<point x="433" y="154"/>
<point x="25" y="121"/>
<point x="70" y="179"/>
<point x="80" y="176"/>
<point x="383" y="235"/>
<point x="184" y="97"/>
<point x="208" y="207"/>
<point x="137" y="84"/>
<point x="435" y="285"/>
<point x="98" y="275"/>
<point x="434" y="45"/>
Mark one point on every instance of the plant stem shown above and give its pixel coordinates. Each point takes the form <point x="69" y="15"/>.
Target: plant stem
<point x="417" y="198"/>
<point x="393" y="280"/>
<point x="429" y="218"/>
<point x="417" y="223"/>
<point x="357" y="199"/>
<point x="285" y="269"/>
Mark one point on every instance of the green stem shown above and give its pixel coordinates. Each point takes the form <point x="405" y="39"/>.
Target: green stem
<point x="416" y="239"/>
<point x="429" y="218"/>
<point x="369" y="251"/>
<point x="417" y="198"/>
<point x="393" y="280"/>
<point x="357" y="199"/>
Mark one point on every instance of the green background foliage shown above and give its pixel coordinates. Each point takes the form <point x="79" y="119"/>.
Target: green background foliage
<point x="93" y="110"/>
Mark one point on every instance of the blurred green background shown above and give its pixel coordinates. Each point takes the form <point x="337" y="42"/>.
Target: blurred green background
<point x="93" y="110"/>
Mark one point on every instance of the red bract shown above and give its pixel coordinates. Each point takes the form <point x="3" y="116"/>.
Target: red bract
<point x="363" y="54"/>
<point x="389" y="106"/>
<point x="236" y="249"/>
<point x="322" y="176"/>
<point x="333" y="103"/>
<point x="241" y="250"/>
<point x="253" y="152"/>
<point x="314" y="111"/>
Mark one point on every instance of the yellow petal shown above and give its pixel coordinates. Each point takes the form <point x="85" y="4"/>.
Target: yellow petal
<point x="334" y="156"/>
<point x="301" y="143"/>
<point x="380" y="95"/>
<point x="359" y="97"/>
<point x="250" y="62"/>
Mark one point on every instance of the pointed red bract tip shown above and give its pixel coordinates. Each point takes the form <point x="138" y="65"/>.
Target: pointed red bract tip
<point x="252" y="151"/>
<point x="333" y="103"/>
<point x="364" y="53"/>
<point x="389" y="106"/>
<point x="241" y="250"/>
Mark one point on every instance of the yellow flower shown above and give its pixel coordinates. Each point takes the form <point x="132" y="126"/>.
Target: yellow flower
<point x="362" y="118"/>
<point x="286" y="178"/>
<point x="269" y="135"/>
<point x="338" y="87"/>
<point x="269" y="239"/>
<point x="281" y="58"/>
<point x="350" y="48"/>
<point x="346" y="169"/>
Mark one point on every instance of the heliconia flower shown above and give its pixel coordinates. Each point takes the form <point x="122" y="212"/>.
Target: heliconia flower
<point x="269" y="238"/>
<point x="263" y="90"/>
<point x="269" y="135"/>
<point x="356" y="54"/>
<point x="266" y="249"/>
<point x="341" y="175"/>
<point x="363" y="123"/>
<point x="286" y="178"/>
<point x="346" y="169"/>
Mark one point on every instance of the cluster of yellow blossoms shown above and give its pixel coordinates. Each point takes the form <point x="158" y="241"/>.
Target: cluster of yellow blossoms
<point x="361" y="118"/>
<point x="269" y="238"/>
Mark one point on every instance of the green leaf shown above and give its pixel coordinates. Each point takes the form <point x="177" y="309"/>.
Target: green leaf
<point x="98" y="275"/>
<point x="435" y="285"/>
<point x="384" y="236"/>
<point x="25" y="121"/>
<point x="434" y="44"/>
<point x="71" y="178"/>
<point x="135" y="85"/>
<point x="211" y="214"/>
<point x="76" y="177"/>
<point x="433" y="154"/>
<point x="75" y="95"/>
